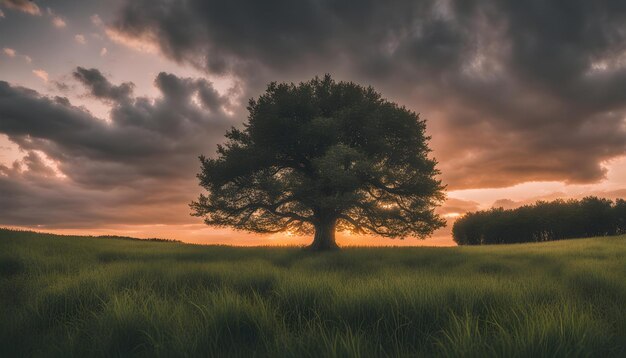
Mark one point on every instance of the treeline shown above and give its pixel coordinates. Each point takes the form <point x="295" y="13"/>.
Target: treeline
<point x="23" y="234"/>
<point x="542" y="221"/>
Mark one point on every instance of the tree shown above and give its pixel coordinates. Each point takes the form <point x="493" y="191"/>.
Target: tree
<point x="619" y="216"/>
<point x="542" y="221"/>
<point x="323" y="156"/>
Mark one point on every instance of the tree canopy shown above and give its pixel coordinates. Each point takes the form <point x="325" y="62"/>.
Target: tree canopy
<point x="322" y="156"/>
<point x="542" y="221"/>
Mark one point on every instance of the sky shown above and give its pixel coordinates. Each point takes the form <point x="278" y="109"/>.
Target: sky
<point x="106" y="106"/>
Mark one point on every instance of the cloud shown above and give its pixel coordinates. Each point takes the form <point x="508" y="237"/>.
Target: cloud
<point x="96" y="20"/>
<point x="512" y="204"/>
<point x="37" y="198"/>
<point x="138" y="43"/>
<point x="28" y="59"/>
<point x="514" y="91"/>
<point x="453" y="207"/>
<point x="506" y="204"/>
<point x="103" y="51"/>
<point x="58" y="22"/>
<point x="22" y="5"/>
<point x="61" y="86"/>
<point x="1" y="14"/>
<point x="100" y="87"/>
<point x="41" y="74"/>
<point x="36" y="165"/>
<point x="9" y="52"/>
<point x="80" y="39"/>
<point x="80" y="171"/>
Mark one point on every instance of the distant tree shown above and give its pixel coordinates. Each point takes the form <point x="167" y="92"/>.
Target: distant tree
<point x="323" y="156"/>
<point x="598" y="220"/>
<point x="619" y="216"/>
<point x="542" y="221"/>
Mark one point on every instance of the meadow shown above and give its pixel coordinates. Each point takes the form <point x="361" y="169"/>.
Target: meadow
<point x="83" y="296"/>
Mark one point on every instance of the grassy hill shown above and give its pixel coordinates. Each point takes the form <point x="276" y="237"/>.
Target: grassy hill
<point x="86" y="296"/>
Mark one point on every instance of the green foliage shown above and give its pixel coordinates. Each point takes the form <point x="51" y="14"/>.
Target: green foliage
<point x="323" y="154"/>
<point x="81" y="296"/>
<point x="542" y="221"/>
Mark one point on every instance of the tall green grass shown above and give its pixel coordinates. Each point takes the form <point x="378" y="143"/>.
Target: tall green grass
<point x="81" y="296"/>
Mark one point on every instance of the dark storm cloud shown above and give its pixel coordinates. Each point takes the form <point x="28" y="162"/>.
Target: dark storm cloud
<point x="138" y="167"/>
<point x="143" y="136"/>
<point x="100" y="87"/>
<point x="515" y="90"/>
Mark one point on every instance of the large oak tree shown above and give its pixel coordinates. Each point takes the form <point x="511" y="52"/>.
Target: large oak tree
<point x="323" y="156"/>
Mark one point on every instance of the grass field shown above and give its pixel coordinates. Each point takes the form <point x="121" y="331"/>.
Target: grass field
<point x="82" y="296"/>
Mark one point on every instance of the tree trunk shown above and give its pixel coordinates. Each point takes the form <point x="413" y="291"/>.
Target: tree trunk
<point x="324" y="239"/>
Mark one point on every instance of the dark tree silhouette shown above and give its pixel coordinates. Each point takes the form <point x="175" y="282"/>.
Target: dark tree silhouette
<point x="323" y="156"/>
<point x="542" y="221"/>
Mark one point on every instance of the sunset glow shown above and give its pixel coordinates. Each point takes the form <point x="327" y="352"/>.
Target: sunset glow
<point x="103" y="113"/>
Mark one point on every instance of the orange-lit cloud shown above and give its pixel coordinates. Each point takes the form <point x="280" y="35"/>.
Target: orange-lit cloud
<point x="43" y="75"/>
<point x="26" y="6"/>
<point x="140" y="43"/>
<point x="9" y="52"/>
<point x="58" y="22"/>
